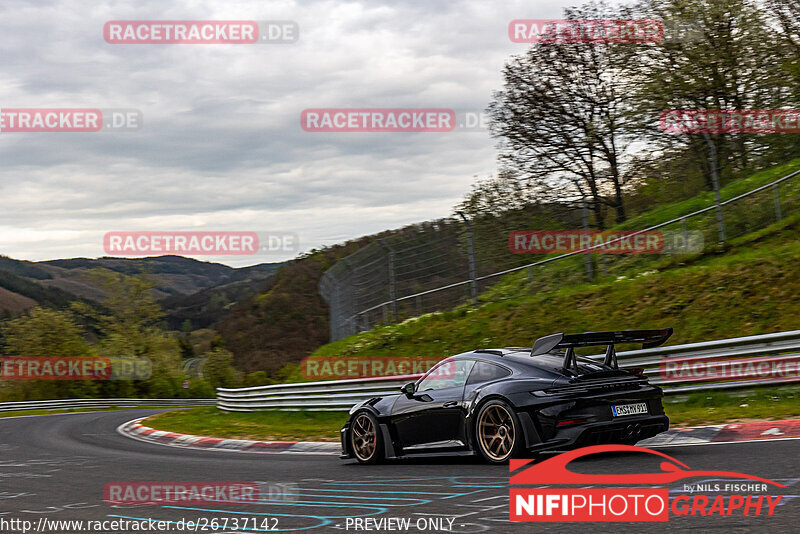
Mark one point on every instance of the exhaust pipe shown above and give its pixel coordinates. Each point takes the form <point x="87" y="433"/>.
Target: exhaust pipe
<point x="632" y="431"/>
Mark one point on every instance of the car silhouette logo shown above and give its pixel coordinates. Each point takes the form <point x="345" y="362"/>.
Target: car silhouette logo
<point x="554" y="470"/>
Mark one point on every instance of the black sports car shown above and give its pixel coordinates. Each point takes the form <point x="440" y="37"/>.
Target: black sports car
<point x="501" y="403"/>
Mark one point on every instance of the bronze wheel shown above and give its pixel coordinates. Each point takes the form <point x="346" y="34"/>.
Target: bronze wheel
<point x="497" y="432"/>
<point x="364" y="438"/>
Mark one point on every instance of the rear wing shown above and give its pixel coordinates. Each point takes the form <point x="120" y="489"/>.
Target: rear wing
<point x="648" y="339"/>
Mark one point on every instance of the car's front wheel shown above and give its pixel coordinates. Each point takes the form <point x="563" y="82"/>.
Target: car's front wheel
<point x="366" y="441"/>
<point x="498" y="433"/>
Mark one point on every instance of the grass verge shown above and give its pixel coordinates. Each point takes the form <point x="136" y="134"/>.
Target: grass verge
<point x="728" y="407"/>
<point x="746" y="290"/>
<point x="269" y="425"/>
<point x="17" y="413"/>
<point x="684" y="410"/>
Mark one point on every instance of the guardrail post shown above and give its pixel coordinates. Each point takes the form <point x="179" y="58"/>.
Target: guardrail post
<point x="777" y="195"/>
<point x="585" y="221"/>
<point x="392" y="280"/>
<point x="715" y="181"/>
<point x="685" y="232"/>
<point x="393" y="287"/>
<point x="353" y="294"/>
<point x="334" y="316"/>
<point x="471" y="252"/>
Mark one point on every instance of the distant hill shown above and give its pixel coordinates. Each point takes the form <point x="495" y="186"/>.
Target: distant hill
<point x="173" y="275"/>
<point x="207" y="307"/>
<point x="268" y="315"/>
<point x="288" y="320"/>
<point x="14" y="302"/>
<point x="18" y="294"/>
<point x="55" y="283"/>
<point x="25" y="269"/>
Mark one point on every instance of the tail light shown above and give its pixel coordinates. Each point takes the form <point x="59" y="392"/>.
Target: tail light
<point x="638" y="371"/>
<point x="572" y="421"/>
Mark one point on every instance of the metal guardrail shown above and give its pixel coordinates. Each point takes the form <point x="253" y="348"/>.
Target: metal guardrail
<point x="780" y="345"/>
<point x="340" y="395"/>
<point x="69" y="404"/>
<point x="328" y="395"/>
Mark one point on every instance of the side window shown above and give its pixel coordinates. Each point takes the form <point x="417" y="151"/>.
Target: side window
<point x="448" y="374"/>
<point x="486" y="372"/>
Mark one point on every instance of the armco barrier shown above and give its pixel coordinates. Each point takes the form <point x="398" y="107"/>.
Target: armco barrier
<point x="69" y="404"/>
<point x="780" y="348"/>
<point x="329" y="395"/>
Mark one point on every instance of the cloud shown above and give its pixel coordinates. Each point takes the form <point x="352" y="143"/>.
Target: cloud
<point x="221" y="146"/>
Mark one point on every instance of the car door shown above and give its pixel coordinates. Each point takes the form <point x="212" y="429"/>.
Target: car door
<point x="433" y="416"/>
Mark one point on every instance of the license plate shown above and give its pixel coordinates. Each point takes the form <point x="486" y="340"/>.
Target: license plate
<point x="629" y="409"/>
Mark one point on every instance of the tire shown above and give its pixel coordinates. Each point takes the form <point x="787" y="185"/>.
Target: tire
<point x="498" y="432"/>
<point x="365" y="439"/>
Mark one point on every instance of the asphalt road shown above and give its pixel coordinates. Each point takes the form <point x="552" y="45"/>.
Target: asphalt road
<point x="56" y="467"/>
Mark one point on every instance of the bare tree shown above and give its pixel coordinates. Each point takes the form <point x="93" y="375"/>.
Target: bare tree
<point x="562" y="121"/>
<point x="717" y="55"/>
<point x="787" y="13"/>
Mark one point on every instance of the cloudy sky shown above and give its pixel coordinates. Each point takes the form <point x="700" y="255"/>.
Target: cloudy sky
<point x="221" y="147"/>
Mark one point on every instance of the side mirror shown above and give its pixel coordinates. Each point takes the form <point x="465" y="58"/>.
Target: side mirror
<point x="408" y="389"/>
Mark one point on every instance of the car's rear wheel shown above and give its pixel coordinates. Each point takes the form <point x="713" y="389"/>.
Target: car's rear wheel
<point x="366" y="441"/>
<point x="498" y="433"/>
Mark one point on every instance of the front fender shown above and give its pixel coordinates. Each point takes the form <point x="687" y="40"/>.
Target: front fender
<point x="381" y="407"/>
<point x="365" y="404"/>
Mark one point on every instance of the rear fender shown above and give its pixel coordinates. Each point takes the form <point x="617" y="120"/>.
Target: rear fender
<point x="492" y="392"/>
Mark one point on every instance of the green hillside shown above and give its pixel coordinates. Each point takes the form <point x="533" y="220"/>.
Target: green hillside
<point x="749" y="288"/>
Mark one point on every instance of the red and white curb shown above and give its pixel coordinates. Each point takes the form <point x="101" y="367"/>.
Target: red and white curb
<point x="134" y="429"/>
<point x="728" y="433"/>
<point x="698" y="435"/>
